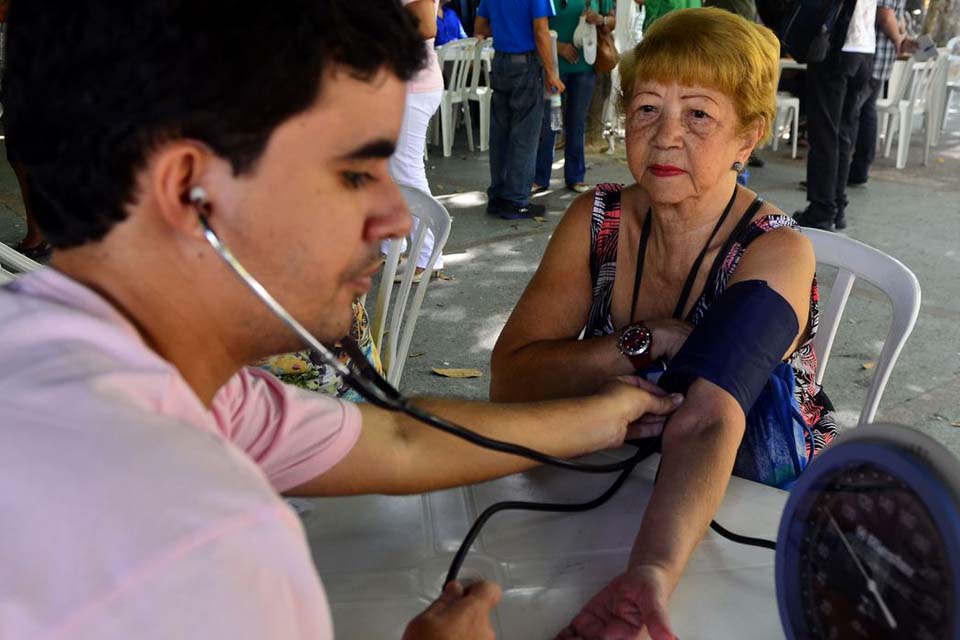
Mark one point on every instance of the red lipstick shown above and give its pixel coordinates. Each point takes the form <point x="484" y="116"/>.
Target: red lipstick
<point x="666" y="170"/>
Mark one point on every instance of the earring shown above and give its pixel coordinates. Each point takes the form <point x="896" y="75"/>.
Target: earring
<point x="738" y="166"/>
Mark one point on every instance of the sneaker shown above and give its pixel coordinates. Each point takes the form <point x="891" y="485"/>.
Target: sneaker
<point x="840" y="222"/>
<point x="537" y="188"/>
<point x="494" y="206"/>
<point x="511" y="211"/>
<point x="579" y="187"/>
<point x="803" y="219"/>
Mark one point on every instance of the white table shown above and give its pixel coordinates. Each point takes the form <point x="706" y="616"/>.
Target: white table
<point x="383" y="559"/>
<point x="790" y="63"/>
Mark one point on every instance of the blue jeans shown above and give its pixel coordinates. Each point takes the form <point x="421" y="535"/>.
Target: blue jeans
<point x="516" y="111"/>
<point x="576" y="104"/>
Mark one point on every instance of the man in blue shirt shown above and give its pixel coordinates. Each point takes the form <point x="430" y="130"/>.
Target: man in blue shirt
<point x="449" y="27"/>
<point x="522" y="64"/>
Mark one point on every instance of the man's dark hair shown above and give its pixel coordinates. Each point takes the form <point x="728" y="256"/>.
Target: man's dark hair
<point x="93" y="86"/>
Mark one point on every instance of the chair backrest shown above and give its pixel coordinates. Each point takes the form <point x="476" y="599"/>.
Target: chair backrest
<point x="460" y="54"/>
<point x="920" y="78"/>
<point x="393" y="340"/>
<point x="899" y="81"/>
<point x="477" y="69"/>
<point x="14" y="261"/>
<point x="854" y="260"/>
<point x="6" y="276"/>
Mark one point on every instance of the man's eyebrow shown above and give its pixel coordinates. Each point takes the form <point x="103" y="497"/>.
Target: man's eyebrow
<point x="375" y="149"/>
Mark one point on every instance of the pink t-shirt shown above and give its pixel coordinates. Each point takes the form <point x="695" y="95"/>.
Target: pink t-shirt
<point x="128" y="509"/>
<point x="430" y="78"/>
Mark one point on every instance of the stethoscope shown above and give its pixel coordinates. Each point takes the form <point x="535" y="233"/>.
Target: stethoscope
<point x="367" y="381"/>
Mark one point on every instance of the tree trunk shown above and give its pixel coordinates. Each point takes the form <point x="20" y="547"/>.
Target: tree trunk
<point x="942" y="21"/>
<point x="595" y="142"/>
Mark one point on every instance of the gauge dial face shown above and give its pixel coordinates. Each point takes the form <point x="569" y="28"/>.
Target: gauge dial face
<point x="872" y="562"/>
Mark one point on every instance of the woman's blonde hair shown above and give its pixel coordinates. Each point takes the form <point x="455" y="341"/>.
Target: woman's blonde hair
<point x="712" y="48"/>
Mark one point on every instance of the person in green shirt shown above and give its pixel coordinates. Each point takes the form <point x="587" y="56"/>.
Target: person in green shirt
<point x="579" y="78"/>
<point x="656" y="9"/>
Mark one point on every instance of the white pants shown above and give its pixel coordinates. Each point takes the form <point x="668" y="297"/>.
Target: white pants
<point x="406" y="164"/>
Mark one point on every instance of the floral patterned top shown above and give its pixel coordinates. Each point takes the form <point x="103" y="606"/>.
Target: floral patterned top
<point x="815" y="407"/>
<point x="305" y="369"/>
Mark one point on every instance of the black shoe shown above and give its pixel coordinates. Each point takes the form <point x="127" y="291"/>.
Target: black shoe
<point x="494" y="206"/>
<point x="512" y="211"/>
<point x="803" y="219"/>
<point x="840" y="222"/>
<point x="755" y="161"/>
<point x="856" y="184"/>
<point x="38" y="253"/>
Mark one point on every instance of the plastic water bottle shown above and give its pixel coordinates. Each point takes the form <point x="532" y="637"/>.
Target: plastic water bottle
<point x="556" y="112"/>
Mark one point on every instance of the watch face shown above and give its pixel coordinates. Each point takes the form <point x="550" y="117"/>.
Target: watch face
<point x="635" y="341"/>
<point x="871" y="561"/>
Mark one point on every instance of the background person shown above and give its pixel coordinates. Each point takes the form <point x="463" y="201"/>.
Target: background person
<point x="579" y="78"/>
<point x="658" y="257"/>
<point x="892" y="40"/>
<point x="522" y="67"/>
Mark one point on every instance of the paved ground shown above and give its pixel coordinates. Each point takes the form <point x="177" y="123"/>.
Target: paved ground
<point x="912" y="214"/>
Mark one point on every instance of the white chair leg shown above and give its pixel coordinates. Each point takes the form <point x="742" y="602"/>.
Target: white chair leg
<point x="890" y="129"/>
<point x="446" y="127"/>
<point x="777" y="126"/>
<point x="903" y="138"/>
<point x="796" y="131"/>
<point x="929" y="133"/>
<point x="468" y="122"/>
<point x="485" y="121"/>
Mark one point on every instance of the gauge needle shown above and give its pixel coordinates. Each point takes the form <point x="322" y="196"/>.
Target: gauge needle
<point x="871" y="583"/>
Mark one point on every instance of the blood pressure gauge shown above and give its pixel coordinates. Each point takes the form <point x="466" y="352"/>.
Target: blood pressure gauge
<point x="869" y="542"/>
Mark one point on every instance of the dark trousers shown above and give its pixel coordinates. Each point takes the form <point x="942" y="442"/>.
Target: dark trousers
<point x="576" y="104"/>
<point x="866" y="148"/>
<point x="836" y="91"/>
<point x="515" y="116"/>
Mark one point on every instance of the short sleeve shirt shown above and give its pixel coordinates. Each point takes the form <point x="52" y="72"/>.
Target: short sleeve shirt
<point x="511" y="22"/>
<point x="130" y="509"/>
<point x="656" y="9"/>
<point x="565" y="23"/>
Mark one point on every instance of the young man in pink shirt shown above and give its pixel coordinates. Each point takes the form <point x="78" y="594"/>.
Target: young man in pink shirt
<point x="141" y="462"/>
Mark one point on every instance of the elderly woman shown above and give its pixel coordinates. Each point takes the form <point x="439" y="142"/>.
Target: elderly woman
<point x="687" y="271"/>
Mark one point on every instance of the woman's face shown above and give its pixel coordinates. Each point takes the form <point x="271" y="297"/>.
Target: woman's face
<point x="683" y="140"/>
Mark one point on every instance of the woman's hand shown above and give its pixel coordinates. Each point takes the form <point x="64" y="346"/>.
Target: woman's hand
<point x="633" y="601"/>
<point x="668" y="336"/>
<point x="592" y="17"/>
<point x="568" y="52"/>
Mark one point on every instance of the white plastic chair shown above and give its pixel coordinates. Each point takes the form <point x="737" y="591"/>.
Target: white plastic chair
<point x="788" y="115"/>
<point x="902" y="113"/>
<point x="938" y="95"/>
<point x="887" y="103"/>
<point x="393" y="341"/>
<point x="460" y="54"/>
<point x="854" y="260"/>
<point x="6" y="276"/>
<point x="15" y="262"/>
<point x="483" y="95"/>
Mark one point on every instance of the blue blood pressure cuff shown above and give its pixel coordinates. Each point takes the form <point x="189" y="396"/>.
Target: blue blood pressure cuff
<point x="738" y="344"/>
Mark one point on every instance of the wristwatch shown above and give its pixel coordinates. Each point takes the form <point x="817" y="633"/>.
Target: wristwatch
<point x="636" y="343"/>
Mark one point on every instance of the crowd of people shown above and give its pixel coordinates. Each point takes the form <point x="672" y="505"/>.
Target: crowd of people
<point x="660" y="309"/>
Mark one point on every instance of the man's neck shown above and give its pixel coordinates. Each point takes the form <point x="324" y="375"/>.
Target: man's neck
<point x="185" y="332"/>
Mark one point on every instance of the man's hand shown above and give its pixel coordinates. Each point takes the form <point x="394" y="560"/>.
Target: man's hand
<point x="907" y="46"/>
<point x="568" y="52"/>
<point x="632" y="602"/>
<point x="554" y="84"/>
<point x="640" y="408"/>
<point x="668" y="336"/>
<point x="457" y="613"/>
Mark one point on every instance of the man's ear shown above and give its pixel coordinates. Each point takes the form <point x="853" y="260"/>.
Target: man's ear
<point x="175" y="169"/>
